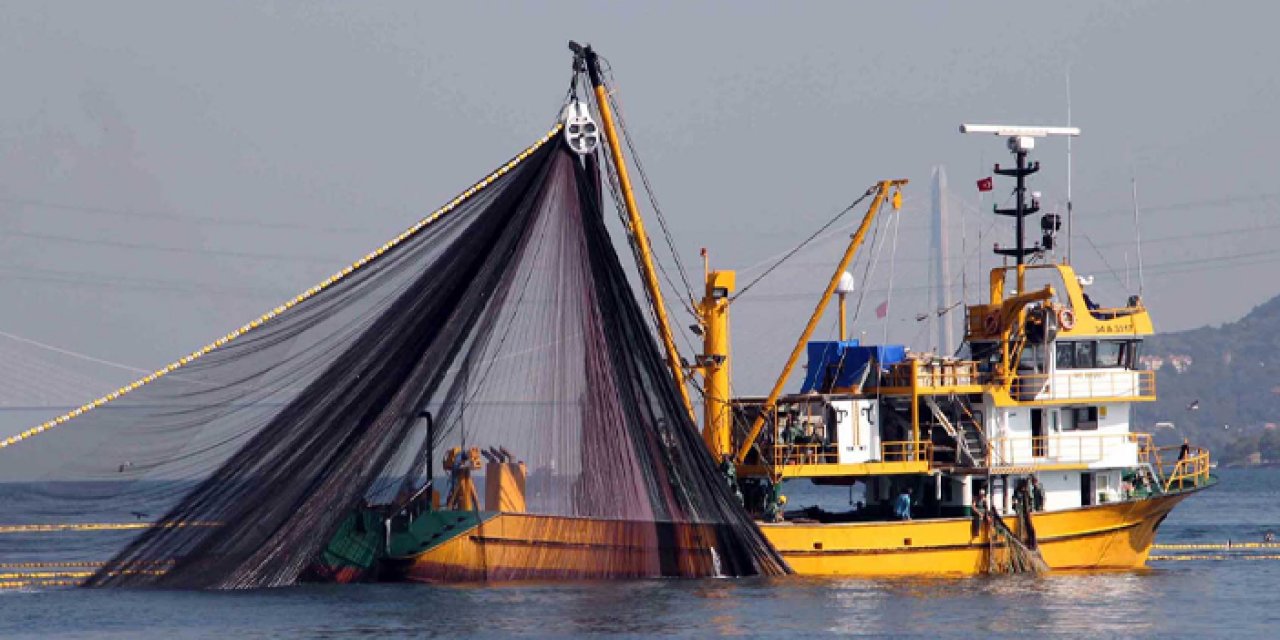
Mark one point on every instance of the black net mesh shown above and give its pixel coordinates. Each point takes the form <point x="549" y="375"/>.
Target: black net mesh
<point x="508" y="319"/>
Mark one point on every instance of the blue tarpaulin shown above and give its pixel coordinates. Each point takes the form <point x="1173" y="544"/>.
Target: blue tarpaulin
<point x="840" y="363"/>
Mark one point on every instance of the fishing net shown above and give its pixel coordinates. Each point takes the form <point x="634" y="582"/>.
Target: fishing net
<point x="1007" y="553"/>
<point x="503" y="321"/>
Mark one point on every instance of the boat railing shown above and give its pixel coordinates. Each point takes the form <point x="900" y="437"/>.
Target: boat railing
<point x="1070" y="448"/>
<point x="1190" y="467"/>
<point x="819" y="453"/>
<point x="906" y="451"/>
<point x="946" y="376"/>
<point x="934" y="374"/>
<point x="1085" y="385"/>
<point x="1111" y="313"/>
<point x="806" y="453"/>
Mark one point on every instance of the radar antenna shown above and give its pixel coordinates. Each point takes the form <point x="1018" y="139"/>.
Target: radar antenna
<point x="1022" y="139"/>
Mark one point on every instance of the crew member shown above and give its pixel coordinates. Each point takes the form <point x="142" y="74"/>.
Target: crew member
<point x="980" y="513"/>
<point x="902" y="506"/>
<point x="1037" y="494"/>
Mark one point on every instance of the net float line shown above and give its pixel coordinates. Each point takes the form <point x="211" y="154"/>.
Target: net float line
<point x="1216" y="545"/>
<point x="266" y="317"/>
<point x="97" y="526"/>
<point x="59" y="578"/>
<point x="38" y="584"/>
<point x="71" y="565"/>
<point x="42" y="575"/>
<point x="1220" y="556"/>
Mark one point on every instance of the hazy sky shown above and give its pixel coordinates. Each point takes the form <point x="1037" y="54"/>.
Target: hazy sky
<point x="169" y="170"/>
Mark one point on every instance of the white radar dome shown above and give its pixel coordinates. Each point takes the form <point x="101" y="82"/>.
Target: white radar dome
<point x="845" y="286"/>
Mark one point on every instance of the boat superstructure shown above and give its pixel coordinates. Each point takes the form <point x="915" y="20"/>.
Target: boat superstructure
<point x="1031" y="422"/>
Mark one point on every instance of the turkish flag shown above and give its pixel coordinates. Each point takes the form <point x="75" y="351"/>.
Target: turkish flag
<point x="883" y="309"/>
<point x="985" y="184"/>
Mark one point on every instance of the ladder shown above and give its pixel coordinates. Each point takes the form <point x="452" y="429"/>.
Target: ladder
<point x="970" y="449"/>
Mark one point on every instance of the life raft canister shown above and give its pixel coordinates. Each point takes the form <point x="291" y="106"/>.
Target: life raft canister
<point x="1066" y="319"/>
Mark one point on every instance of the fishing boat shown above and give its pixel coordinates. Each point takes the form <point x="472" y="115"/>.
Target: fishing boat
<point x="1015" y="454"/>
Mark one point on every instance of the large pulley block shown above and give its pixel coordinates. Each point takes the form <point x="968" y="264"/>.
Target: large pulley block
<point x="580" y="131"/>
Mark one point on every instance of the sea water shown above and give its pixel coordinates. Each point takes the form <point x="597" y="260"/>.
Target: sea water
<point x="1238" y="596"/>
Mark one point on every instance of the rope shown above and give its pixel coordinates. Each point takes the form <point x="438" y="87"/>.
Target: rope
<point x="802" y="245"/>
<point x="648" y="188"/>
<point x="893" y="267"/>
<point x="66" y="352"/>
<point x="615" y="192"/>
<point x="266" y="317"/>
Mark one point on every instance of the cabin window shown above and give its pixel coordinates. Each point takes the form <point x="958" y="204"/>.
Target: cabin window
<point x="1134" y="352"/>
<point x="1110" y="353"/>
<point x="1085" y="355"/>
<point x="1031" y="358"/>
<point x="1090" y="354"/>
<point x="1066" y="355"/>
<point x="1085" y="418"/>
<point x="1131" y="355"/>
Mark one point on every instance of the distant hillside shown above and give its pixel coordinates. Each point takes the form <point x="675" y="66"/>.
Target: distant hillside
<point x="1220" y="385"/>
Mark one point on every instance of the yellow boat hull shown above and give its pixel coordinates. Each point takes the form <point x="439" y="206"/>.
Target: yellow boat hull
<point x="512" y="545"/>
<point x="1113" y="536"/>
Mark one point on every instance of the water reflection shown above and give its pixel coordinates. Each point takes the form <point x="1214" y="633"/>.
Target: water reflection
<point x="1080" y="603"/>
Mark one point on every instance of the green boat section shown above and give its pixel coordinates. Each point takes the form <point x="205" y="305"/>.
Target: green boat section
<point x="368" y="536"/>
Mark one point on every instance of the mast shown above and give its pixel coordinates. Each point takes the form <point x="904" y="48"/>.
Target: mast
<point x="1137" y="232"/>
<point x="635" y="222"/>
<point x="715" y="359"/>
<point x="941" y="291"/>
<point x="1019" y="145"/>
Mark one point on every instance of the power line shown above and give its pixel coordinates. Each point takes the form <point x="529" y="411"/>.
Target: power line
<point x="1164" y="268"/>
<point x="1101" y="245"/>
<point x="800" y="246"/>
<point x="138" y="246"/>
<point x="109" y="282"/>
<point x="173" y="217"/>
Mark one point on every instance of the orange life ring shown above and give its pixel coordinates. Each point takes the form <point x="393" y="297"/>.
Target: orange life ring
<point x="1066" y="319"/>
<point x="991" y="323"/>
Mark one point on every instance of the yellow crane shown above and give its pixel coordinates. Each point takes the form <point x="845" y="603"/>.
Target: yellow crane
<point x="718" y="422"/>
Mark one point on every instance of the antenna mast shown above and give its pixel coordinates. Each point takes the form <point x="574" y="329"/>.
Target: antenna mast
<point x="1137" y="232"/>
<point x="1022" y="140"/>
<point x="1069" y="166"/>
